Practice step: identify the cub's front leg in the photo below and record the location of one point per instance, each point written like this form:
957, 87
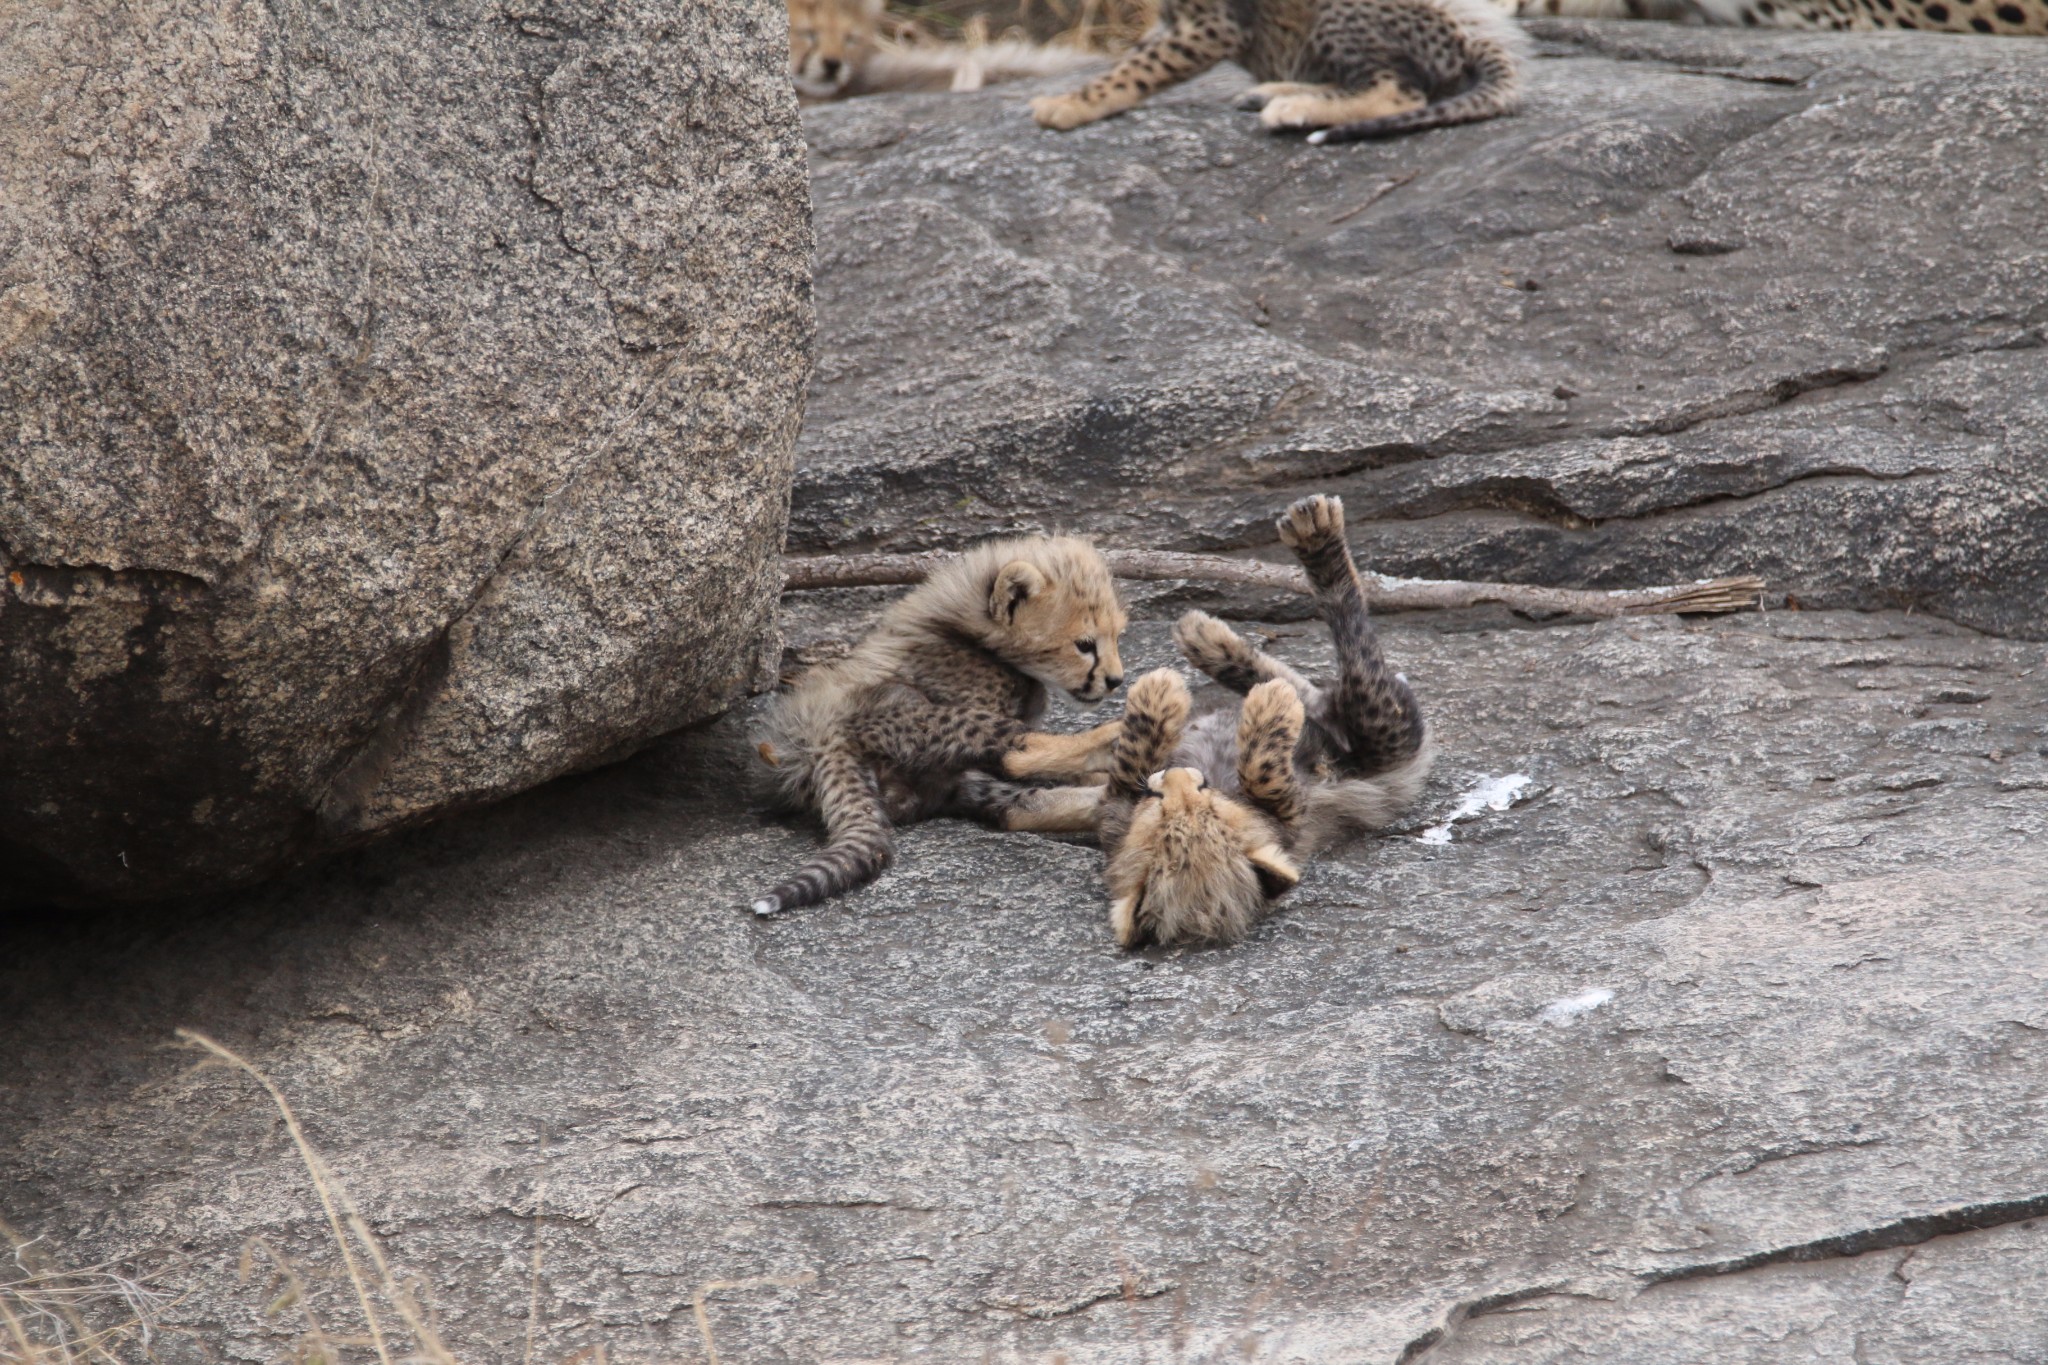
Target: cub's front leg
1189, 40
1063, 758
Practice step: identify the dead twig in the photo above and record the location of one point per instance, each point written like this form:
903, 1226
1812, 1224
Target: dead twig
1381, 191
1383, 592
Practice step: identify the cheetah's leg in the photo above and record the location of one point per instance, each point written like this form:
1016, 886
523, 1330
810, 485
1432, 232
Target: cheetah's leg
1154, 717
1230, 659
1064, 758
1371, 705
1200, 38
1260, 95
1046, 810
1268, 728
1387, 95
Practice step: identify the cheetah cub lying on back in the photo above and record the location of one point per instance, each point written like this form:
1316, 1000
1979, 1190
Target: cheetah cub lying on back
1203, 820
1348, 68
949, 680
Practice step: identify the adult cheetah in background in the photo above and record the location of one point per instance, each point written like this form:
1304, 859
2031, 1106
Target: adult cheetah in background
2007, 18
1346, 68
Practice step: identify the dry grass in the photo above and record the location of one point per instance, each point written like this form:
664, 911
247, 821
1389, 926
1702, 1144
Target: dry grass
48, 1316
102, 1315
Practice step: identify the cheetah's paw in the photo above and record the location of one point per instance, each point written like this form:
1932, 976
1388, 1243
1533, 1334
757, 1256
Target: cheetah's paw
1062, 113
1310, 522
1209, 644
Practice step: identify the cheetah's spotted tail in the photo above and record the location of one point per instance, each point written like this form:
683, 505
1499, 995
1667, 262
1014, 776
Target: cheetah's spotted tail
1496, 89
858, 845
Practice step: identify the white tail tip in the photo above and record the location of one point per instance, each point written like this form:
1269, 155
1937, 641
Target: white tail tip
767, 905
1319, 137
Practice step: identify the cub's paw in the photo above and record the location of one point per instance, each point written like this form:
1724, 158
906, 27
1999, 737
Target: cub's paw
1210, 645
1259, 96
1312, 523
1159, 699
1293, 113
986, 797
1271, 719
1061, 113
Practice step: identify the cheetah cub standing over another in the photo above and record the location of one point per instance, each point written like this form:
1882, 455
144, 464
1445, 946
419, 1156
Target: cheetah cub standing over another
949, 680
1199, 852
1349, 68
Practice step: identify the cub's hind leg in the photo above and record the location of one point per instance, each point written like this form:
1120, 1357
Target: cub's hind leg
1384, 96
1268, 728
1154, 718
1371, 706
1264, 93
1044, 810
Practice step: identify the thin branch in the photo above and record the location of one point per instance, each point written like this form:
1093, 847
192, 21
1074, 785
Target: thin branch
1384, 593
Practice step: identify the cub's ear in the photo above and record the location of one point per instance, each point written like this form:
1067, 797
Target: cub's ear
1017, 582
1276, 871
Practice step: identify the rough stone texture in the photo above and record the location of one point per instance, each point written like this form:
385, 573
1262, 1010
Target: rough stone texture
396, 407
1804, 850
1713, 303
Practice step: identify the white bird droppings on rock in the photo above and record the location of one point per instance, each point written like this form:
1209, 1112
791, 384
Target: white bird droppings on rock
1567, 1011
1495, 793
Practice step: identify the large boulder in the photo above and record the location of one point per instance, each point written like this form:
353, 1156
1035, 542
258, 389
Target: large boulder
1712, 303
396, 406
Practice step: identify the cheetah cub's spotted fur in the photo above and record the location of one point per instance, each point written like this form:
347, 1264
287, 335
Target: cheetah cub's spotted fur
1348, 68
950, 679
2009, 18
1203, 819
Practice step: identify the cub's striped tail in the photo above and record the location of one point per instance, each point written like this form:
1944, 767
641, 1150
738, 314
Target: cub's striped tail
1496, 89
858, 844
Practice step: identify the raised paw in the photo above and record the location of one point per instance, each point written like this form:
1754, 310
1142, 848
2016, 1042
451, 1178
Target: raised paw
1311, 523
1209, 644
1062, 113
1268, 728
1160, 699
1271, 718
1153, 720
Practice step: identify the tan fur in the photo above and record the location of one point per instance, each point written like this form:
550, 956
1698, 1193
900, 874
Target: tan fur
1345, 68
1204, 817
947, 681
1195, 865
837, 50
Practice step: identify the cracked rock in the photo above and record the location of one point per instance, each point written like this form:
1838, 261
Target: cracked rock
398, 410
1713, 303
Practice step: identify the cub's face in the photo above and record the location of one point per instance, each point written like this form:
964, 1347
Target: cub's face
828, 41
1062, 627
1195, 866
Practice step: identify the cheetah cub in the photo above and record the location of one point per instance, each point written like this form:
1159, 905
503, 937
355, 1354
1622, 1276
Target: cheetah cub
1347, 68
1203, 820
950, 679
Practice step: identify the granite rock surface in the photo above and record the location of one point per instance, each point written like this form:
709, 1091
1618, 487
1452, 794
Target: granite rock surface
1724, 1043
396, 411
1713, 303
